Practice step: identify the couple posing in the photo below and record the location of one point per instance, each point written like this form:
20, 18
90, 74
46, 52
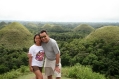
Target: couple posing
50, 49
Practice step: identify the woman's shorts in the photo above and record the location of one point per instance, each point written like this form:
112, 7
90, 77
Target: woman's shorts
37, 68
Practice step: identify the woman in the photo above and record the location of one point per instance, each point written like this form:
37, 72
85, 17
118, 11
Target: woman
36, 57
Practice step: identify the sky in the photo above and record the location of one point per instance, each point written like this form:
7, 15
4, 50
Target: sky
60, 10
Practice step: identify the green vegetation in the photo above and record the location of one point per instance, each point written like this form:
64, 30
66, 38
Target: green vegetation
106, 33
15, 36
12, 59
84, 28
14, 43
27, 76
81, 72
23, 70
101, 53
46, 26
67, 73
33, 27
98, 48
2, 24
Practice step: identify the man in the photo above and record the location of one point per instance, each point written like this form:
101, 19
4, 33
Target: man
52, 63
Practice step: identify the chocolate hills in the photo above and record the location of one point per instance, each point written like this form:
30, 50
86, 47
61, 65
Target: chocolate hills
15, 36
107, 33
84, 27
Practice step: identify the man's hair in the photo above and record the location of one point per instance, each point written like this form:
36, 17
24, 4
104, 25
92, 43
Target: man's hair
43, 31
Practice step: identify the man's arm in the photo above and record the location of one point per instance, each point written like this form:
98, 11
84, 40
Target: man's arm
57, 63
57, 59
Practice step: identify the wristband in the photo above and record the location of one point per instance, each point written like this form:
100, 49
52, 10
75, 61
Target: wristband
57, 64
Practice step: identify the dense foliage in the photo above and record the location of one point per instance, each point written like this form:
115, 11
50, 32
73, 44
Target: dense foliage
12, 59
102, 56
99, 49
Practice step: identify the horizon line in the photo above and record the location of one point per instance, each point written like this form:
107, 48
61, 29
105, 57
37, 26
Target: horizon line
63, 21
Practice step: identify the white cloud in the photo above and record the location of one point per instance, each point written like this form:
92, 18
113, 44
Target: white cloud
60, 10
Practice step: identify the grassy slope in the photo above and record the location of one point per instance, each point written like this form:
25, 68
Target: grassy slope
15, 35
107, 33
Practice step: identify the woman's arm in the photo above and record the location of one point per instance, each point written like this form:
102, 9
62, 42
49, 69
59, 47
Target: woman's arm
30, 62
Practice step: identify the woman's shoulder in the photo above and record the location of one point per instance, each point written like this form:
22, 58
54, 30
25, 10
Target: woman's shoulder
32, 46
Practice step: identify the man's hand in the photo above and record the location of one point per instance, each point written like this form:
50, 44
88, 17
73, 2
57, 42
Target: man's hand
57, 69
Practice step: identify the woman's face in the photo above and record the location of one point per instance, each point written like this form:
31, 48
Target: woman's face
37, 39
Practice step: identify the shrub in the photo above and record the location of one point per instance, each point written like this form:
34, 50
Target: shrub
81, 72
15, 73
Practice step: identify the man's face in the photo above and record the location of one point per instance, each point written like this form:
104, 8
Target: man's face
44, 37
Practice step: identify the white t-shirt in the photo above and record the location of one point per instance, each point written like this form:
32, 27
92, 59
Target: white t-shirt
37, 52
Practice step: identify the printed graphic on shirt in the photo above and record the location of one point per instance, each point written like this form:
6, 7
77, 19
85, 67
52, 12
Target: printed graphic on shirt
40, 55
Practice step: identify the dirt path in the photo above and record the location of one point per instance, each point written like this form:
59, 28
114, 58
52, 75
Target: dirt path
32, 76
44, 77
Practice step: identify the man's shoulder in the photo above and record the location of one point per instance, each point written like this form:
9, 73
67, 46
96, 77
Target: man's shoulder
52, 40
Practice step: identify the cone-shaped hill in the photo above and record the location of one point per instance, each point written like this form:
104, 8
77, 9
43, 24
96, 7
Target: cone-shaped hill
15, 36
107, 33
46, 26
2, 24
56, 28
84, 27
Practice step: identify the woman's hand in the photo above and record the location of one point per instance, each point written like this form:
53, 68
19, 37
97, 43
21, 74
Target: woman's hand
31, 69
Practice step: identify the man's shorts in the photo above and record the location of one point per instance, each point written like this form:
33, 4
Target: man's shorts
49, 71
37, 68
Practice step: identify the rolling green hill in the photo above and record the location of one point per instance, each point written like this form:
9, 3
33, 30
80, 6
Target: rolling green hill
15, 36
2, 24
46, 26
107, 33
84, 27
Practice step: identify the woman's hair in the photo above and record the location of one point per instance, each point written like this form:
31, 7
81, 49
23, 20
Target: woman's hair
35, 37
